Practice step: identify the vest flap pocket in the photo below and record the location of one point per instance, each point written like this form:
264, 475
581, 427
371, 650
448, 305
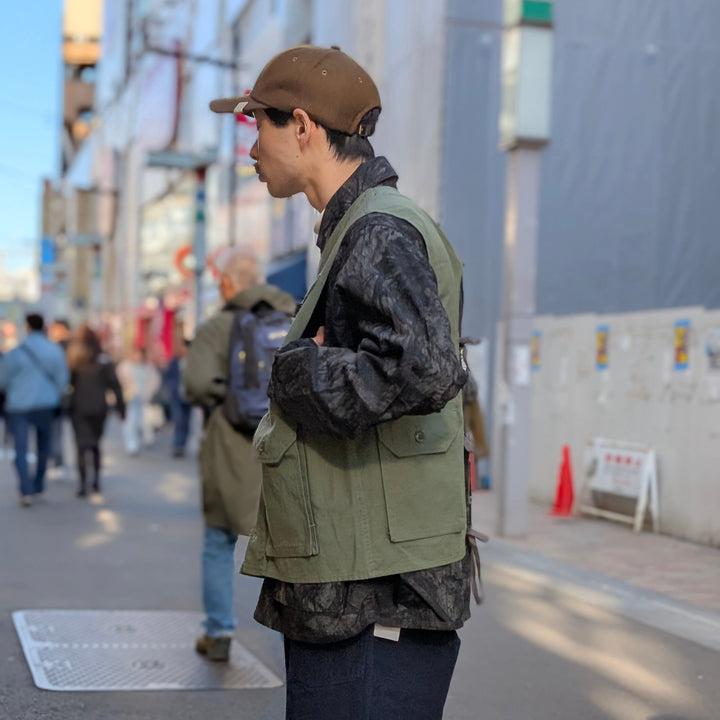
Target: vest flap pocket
273, 437
421, 460
285, 491
419, 434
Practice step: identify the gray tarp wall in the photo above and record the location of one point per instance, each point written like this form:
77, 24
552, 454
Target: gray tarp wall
630, 201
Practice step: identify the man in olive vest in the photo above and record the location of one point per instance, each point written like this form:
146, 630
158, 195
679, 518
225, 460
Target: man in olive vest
361, 534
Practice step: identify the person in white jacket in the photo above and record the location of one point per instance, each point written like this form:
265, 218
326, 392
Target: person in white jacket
140, 380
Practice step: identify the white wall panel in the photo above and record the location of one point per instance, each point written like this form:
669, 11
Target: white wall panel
641, 397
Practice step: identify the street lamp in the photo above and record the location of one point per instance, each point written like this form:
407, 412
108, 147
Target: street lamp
524, 132
198, 163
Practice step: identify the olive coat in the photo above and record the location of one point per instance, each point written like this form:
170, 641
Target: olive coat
229, 469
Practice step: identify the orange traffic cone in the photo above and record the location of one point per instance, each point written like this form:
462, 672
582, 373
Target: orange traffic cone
564, 494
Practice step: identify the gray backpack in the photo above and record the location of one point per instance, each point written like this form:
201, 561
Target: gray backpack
255, 336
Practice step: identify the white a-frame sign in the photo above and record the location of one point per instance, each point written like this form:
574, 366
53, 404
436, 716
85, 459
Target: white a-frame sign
625, 469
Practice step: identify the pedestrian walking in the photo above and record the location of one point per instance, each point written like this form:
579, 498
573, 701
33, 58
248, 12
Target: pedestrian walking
229, 470
140, 380
92, 377
34, 376
59, 332
362, 533
181, 409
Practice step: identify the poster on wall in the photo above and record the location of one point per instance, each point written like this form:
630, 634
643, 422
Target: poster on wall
535, 350
712, 368
682, 344
602, 347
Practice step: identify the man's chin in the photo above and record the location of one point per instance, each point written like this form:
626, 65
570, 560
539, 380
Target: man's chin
278, 193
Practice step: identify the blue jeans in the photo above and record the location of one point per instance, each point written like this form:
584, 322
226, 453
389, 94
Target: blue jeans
181, 422
218, 575
20, 424
370, 678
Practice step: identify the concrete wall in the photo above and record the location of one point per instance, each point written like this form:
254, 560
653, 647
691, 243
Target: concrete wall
641, 397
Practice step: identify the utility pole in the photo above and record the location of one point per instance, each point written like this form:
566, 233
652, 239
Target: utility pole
199, 245
524, 132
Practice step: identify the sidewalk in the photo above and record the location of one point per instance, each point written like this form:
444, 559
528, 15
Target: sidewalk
560, 610
682, 571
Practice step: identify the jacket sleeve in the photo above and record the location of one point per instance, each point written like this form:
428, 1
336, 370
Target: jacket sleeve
204, 377
404, 361
113, 384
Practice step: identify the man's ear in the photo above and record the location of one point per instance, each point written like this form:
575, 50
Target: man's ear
305, 127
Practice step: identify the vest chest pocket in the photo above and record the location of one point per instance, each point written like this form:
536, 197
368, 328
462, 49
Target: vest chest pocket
285, 489
422, 473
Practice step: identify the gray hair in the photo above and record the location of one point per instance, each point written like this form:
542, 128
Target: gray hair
243, 267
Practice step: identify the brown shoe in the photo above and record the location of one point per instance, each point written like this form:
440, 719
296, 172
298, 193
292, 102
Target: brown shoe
214, 648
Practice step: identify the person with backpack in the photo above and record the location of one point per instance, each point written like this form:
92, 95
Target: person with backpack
226, 373
35, 377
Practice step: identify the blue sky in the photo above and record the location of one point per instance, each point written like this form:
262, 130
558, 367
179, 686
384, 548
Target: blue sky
30, 93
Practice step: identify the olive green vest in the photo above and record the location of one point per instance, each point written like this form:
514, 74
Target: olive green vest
389, 501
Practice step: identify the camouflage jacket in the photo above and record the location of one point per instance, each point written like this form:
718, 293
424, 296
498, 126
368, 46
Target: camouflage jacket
381, 296
388, 347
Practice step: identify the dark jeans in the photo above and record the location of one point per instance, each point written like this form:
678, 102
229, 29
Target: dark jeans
20, 424
370, 678
181, 422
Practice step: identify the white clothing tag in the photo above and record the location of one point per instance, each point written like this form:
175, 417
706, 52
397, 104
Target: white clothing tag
387, 633
240, 107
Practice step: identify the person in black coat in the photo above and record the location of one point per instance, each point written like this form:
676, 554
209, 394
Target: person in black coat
92, 375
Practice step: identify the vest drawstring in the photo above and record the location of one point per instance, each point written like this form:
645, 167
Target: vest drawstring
473, 535
475, 568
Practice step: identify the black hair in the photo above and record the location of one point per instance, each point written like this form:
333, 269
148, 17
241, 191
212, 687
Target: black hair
343, 146
63, 322
35, 321
279, 118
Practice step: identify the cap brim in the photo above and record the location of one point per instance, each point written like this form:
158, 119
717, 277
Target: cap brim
244, 104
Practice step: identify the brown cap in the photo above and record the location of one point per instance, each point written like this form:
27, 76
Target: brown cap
325, 82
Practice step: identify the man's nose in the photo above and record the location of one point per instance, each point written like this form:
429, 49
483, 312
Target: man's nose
253, 151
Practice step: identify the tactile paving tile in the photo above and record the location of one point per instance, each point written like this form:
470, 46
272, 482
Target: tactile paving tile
129, 650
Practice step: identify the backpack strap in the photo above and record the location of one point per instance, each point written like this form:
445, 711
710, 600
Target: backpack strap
358, 209
36, 361
248, 323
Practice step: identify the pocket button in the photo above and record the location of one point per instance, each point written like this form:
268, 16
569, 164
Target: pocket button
419, 436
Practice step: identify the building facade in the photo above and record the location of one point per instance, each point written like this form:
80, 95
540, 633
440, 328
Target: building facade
628, 188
